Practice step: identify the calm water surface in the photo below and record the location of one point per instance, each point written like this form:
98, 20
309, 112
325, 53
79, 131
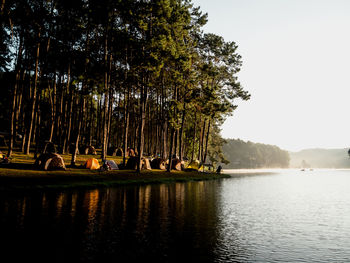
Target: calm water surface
284, 216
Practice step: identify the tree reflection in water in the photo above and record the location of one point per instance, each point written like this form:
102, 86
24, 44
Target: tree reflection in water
157, 222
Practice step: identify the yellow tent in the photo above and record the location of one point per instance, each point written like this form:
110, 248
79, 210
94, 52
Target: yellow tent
92, 164
194, 165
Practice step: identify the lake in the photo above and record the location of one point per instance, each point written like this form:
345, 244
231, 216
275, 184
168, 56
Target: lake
255, 216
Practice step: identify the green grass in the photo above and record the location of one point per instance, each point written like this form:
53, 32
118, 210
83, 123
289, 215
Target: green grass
21, 175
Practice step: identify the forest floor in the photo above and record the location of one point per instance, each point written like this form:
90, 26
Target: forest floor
20, 174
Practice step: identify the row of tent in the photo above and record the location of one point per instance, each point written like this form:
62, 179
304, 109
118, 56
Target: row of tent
112, 151
93, 164
53, 161
149, 164
50, 147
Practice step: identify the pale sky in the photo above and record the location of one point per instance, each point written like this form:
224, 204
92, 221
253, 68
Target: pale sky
296, 65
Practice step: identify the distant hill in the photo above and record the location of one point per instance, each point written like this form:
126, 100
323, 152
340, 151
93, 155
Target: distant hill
243, 154
320, 158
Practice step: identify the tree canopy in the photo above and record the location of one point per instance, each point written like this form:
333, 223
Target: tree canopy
113, 73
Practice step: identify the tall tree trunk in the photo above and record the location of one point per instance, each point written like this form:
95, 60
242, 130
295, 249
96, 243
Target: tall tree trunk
105, 105
53, 107
201, 128
164, 122
67, 114
24, 130
172, 135
37, 129
136, 126
176, 135
164, 139
104, 130
143, 105
59, 116
19, 104
12, 135
109, 120
194, 135
181, 132
69, 127
99, 114
34, 93
202, 141
149, 131
80, 121
92, 119
206, 142
110, 104
126, 124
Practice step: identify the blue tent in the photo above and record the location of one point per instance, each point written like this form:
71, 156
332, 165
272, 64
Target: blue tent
112, 165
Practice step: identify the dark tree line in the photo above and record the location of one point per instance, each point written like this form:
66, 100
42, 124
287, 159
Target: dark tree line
123, 73
241, 154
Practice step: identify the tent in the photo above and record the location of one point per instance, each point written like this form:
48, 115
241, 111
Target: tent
176, 164
146, 164
130, 152
132, 163
89, 150
119, 152
158, 163
50, 161
49, 147
114, 151
194, 165
92, 164
55, 163
206, 167
112, 165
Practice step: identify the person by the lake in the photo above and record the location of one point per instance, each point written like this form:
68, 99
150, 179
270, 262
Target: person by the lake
219, 169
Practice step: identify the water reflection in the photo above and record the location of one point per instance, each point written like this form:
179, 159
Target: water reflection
286, 217
158, 222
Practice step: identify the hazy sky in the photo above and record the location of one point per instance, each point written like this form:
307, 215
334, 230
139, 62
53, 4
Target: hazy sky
296, 65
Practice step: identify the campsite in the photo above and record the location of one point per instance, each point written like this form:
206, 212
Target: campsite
23, 172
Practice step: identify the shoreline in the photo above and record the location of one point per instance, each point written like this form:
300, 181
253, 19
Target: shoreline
12, 179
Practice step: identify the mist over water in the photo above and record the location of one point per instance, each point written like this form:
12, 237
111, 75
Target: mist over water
289, 215
266, 216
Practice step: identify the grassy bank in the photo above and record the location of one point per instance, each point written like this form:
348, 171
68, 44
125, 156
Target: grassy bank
20, 174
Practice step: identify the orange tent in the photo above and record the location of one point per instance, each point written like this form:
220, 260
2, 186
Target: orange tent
92, 164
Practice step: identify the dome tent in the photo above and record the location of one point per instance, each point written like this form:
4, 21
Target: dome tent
158, 163
114, 151
132, 163
176, 164
50, 161
88, 150
194, 165
146, 164
92, 164
112, 165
